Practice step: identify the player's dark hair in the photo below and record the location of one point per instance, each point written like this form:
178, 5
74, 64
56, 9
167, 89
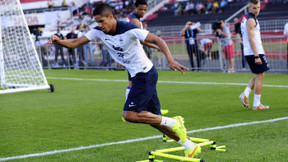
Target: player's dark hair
140, 2
102, 9
254, 1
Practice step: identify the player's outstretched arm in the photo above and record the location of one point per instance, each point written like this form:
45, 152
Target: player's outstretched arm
150, 45
174, 65
69, 43
137, 23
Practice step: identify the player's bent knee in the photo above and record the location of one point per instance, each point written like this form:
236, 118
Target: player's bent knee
129, 116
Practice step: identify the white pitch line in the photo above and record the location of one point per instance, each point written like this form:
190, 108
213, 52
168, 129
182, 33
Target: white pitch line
170, 82
137, 140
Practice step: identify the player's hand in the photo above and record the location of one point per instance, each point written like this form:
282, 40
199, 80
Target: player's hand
53, 39
218, 30
174, 65
258, 61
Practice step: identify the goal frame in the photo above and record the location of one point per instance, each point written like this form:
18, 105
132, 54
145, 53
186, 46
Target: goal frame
23, 87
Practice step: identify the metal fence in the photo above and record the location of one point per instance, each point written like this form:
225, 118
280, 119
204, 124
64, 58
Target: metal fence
93, 56
217, 58
266, 25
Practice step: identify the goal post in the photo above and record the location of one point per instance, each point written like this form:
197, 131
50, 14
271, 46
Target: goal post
20, 67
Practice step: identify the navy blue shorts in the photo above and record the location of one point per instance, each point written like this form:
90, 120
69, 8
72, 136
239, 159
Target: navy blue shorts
257, 69
143, 95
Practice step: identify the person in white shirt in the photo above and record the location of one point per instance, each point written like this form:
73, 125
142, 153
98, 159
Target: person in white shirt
206, 46
123, 42
286, 35
255, 56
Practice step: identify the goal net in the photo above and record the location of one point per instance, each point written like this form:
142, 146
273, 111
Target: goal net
20, 68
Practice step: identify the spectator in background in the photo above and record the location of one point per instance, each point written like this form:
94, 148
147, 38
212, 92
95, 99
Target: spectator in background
215, 7
73, 8
88, 48
50, 4
71, 51
119, 6
80, 49
230, 1
286, 35
200, 8
106, 58
117, 15
59, 48
64, 3
237, 27
226, 41
190, 32
127, 3
223, 5
187, 9
174, 7
36, 32
179, 10
209, 6
86, 20
192, 8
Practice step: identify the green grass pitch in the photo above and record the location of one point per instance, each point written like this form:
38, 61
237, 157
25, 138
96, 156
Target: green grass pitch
88, 112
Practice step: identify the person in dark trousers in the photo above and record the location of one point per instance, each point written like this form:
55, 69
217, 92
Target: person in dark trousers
59, 48
71, 51
190, 32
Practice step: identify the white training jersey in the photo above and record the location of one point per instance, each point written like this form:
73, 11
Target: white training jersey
124, 46
257, 36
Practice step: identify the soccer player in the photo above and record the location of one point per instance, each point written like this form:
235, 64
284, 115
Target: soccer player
142, 104
254, 54
139, 12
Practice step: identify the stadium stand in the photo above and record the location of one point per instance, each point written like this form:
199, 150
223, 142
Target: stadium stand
270, 11
164, 16
274, 10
